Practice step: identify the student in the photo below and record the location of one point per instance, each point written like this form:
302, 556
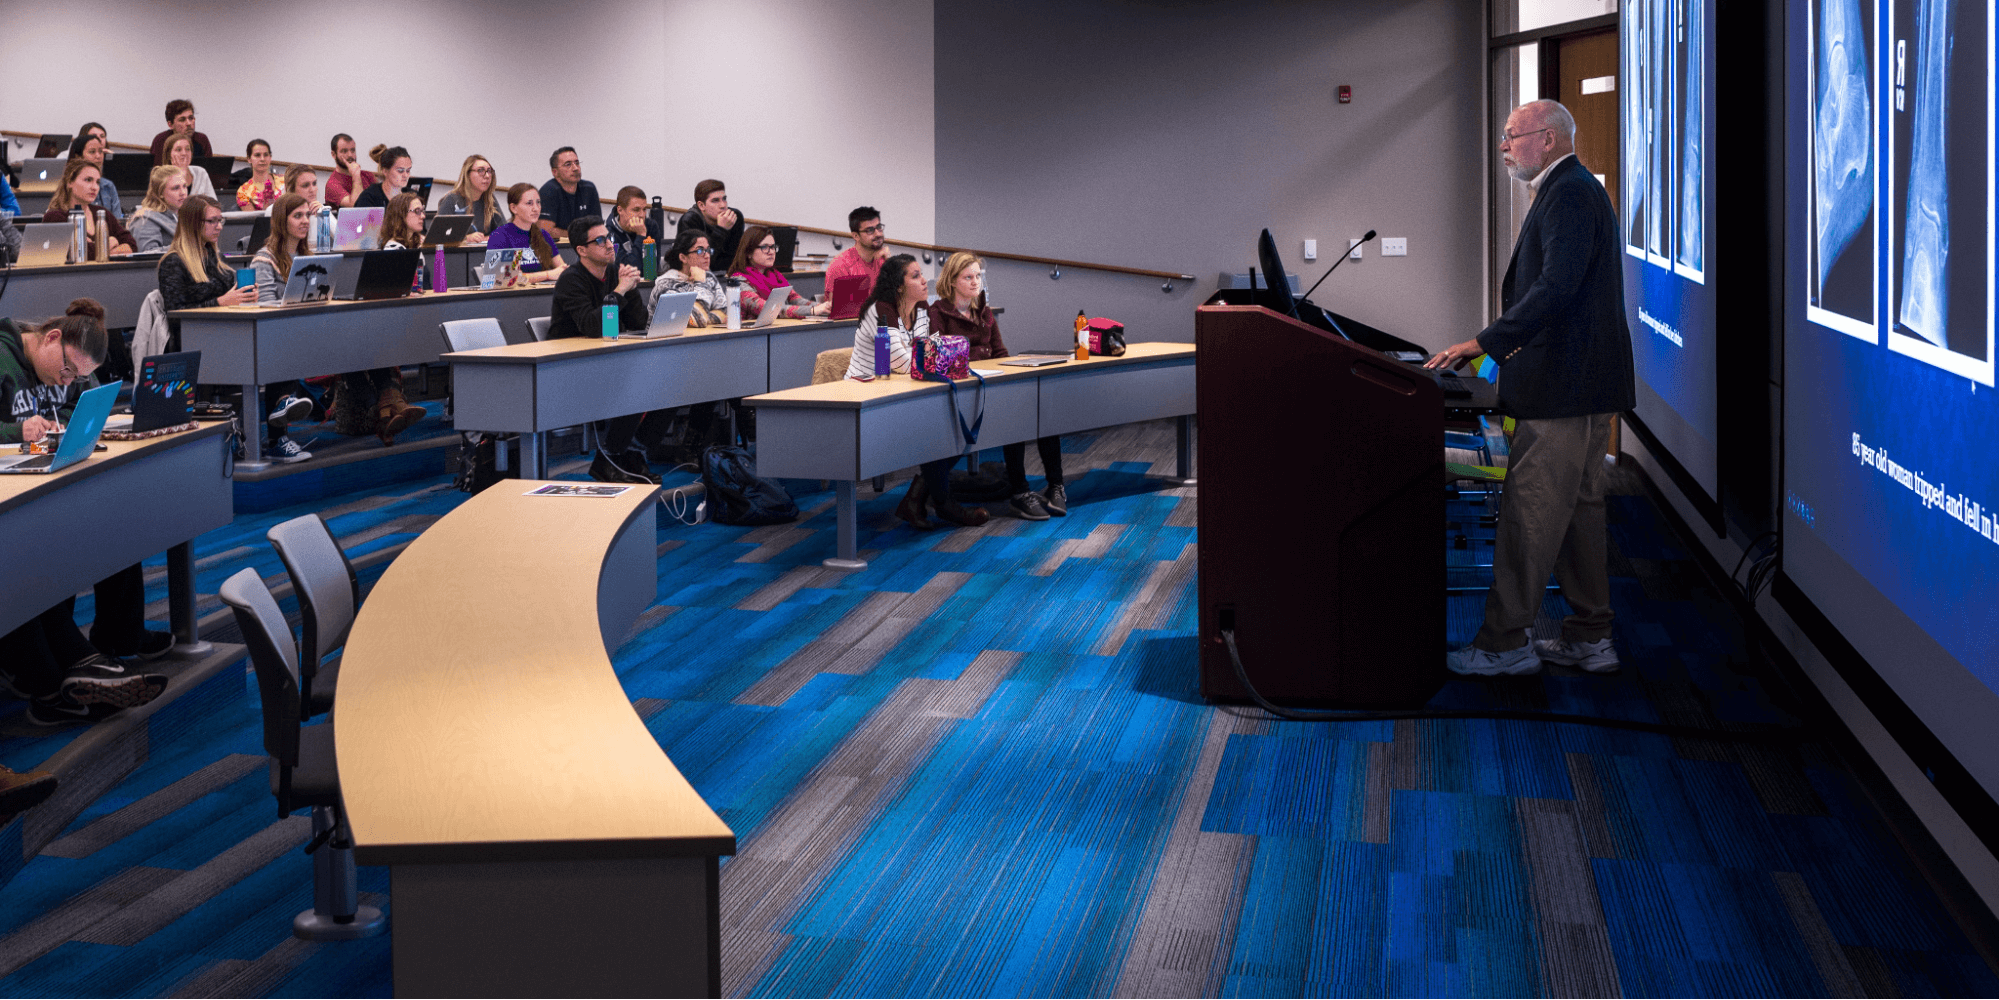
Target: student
578, 312
865, 257
348, 180
291, 227
79, 184
687, 271
566, 196
47, 660
756, 265
94, 149
154, 223
402, 223
898, 304
395, 176
180, 153
712, 217
961, 311
303, 181
193, 276
473, 196
180, 121
630, 228
262, 189
8, 203
524, 202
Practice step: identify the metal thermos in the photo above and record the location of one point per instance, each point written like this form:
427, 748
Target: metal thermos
79, 236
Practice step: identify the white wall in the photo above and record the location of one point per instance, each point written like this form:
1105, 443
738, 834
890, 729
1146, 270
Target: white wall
438, 78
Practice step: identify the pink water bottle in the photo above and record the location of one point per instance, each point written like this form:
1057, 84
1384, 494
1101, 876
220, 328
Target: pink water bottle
437, 282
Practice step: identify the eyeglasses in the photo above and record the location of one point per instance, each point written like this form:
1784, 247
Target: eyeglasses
601, 241
482, 170
701, 251
1505, 137
216, 221
872, 230
68, 371
772, 247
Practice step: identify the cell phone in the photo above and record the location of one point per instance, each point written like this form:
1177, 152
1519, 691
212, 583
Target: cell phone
245, 277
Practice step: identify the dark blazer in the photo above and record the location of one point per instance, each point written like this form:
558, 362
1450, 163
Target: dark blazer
1562, 343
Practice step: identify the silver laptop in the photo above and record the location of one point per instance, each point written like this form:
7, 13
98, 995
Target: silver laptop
79, 439
669, 316
44, 243
358, 229
447, 229
773, 307
41, 176
311, 279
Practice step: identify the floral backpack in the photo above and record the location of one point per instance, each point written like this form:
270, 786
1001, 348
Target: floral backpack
946, 358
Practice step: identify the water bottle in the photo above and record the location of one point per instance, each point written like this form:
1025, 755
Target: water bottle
733, 292
79, 237
437, 282
882, 369
322, 231
103, 254
610, 316
649, 261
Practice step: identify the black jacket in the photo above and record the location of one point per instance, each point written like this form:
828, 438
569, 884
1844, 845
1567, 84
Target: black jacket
722, 241
1562, 343
578, 297
631, 246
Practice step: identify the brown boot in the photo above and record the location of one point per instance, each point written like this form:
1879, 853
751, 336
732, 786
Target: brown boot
394, 414
965, 517
22, 792
913, 503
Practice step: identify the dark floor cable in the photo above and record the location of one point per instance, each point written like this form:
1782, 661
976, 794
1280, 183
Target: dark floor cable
1656, 728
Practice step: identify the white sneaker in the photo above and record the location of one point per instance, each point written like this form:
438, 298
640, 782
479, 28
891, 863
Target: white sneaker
287, 410
1598, 657
1472, 661
285, 451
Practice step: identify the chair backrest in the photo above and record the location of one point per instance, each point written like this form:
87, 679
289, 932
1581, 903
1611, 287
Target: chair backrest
831, 366
272, 656
538, 327
329, 591
472, 334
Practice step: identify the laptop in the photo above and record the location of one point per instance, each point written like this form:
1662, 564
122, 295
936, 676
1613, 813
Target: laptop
850, 295
311, 278
53, 145
41, 175
219, 168
773, 308
497, 264
787, 245
260, 234
447, 230
44, 244
420, 187
131, 173
669, 317
384, 274
237, 227
164, 396
358, 229
86, 422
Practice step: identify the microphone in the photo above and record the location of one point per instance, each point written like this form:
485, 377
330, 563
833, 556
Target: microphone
1364, 240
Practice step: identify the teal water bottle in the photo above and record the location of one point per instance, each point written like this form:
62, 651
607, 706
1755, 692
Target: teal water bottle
610, 316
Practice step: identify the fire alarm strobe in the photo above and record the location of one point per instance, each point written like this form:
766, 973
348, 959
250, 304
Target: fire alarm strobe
1346, 94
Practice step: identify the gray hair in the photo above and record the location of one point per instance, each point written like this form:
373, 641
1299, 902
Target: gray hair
1553, 115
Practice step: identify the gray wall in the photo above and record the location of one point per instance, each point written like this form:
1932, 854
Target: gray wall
1163, 136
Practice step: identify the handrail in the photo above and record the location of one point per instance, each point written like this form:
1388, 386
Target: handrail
835, 233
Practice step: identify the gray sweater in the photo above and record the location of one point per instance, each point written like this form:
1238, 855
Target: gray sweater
153, 230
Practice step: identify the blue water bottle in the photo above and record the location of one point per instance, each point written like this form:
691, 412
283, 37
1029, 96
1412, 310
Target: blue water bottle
610, 316
881, 352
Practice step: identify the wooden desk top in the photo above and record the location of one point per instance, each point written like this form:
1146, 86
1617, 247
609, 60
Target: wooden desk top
852, 395
18, 490
543, 351
251, 313
479, 718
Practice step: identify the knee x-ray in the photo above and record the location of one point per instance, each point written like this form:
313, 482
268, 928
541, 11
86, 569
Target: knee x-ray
1926, 228
1692, 81
1665, 133
1841, 123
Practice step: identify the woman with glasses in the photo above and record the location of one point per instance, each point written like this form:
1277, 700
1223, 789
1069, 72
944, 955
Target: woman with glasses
756, 265
524, 231
395, 176
687, 271
180, 153
80, 179
154, 223
473, 196
262, 189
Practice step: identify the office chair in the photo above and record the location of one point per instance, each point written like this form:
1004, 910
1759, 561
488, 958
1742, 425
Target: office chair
329, 596
538, 327
472, 334
304, 774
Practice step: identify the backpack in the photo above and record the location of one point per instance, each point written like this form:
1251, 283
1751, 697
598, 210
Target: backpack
736, 495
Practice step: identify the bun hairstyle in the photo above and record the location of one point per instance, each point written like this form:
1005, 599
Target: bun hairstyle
86, 308
82, 329
386, 156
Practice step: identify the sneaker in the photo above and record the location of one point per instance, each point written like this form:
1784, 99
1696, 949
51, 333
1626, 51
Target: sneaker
57, 710
287, 410
284, 451
100, 680
1028, 507
1472, 661
1056, 499
606, 469
1598, 657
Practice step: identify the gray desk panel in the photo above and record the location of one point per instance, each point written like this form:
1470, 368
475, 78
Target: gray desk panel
629, 580
792, 354
497, 398
1113, 396
921, 429
800, 443
328, 342
63, 541
38, 293
672, 373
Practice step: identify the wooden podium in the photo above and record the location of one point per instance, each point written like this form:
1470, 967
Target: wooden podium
1321, 515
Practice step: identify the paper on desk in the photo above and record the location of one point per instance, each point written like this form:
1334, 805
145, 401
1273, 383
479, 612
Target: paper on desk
575, 490
987, 372
118, 422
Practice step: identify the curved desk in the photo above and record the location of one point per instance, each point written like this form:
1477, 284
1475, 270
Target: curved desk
541, 842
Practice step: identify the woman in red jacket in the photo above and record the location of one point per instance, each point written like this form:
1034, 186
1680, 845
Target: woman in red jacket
961, 310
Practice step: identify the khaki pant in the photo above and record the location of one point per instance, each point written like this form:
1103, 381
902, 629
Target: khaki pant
1551, 519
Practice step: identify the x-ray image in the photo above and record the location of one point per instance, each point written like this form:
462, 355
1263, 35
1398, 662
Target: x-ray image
1658, 125
1665, 133
1692, 74
1841, 122
1637, 123
1940, 175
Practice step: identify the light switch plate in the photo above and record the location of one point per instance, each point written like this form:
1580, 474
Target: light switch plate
1353, 249
1311, 249
1395, 246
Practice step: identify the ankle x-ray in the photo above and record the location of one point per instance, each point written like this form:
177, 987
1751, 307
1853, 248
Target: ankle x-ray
1842, 136
1926, 227
1692, 90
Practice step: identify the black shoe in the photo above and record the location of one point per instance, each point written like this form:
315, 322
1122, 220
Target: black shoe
1028, 507
100, 680
56, 710
1056, 499
913, 504
606, 469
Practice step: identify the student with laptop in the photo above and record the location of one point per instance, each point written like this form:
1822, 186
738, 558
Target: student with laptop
961, 311
566, 196
630, 227
262, 189
180, 153
578, 312
524, 230
154, 223
92, 148
348, 180
864, 259
80, 179
712, 217
180, 121
395, 176
473, 196
756, 265
687, 270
